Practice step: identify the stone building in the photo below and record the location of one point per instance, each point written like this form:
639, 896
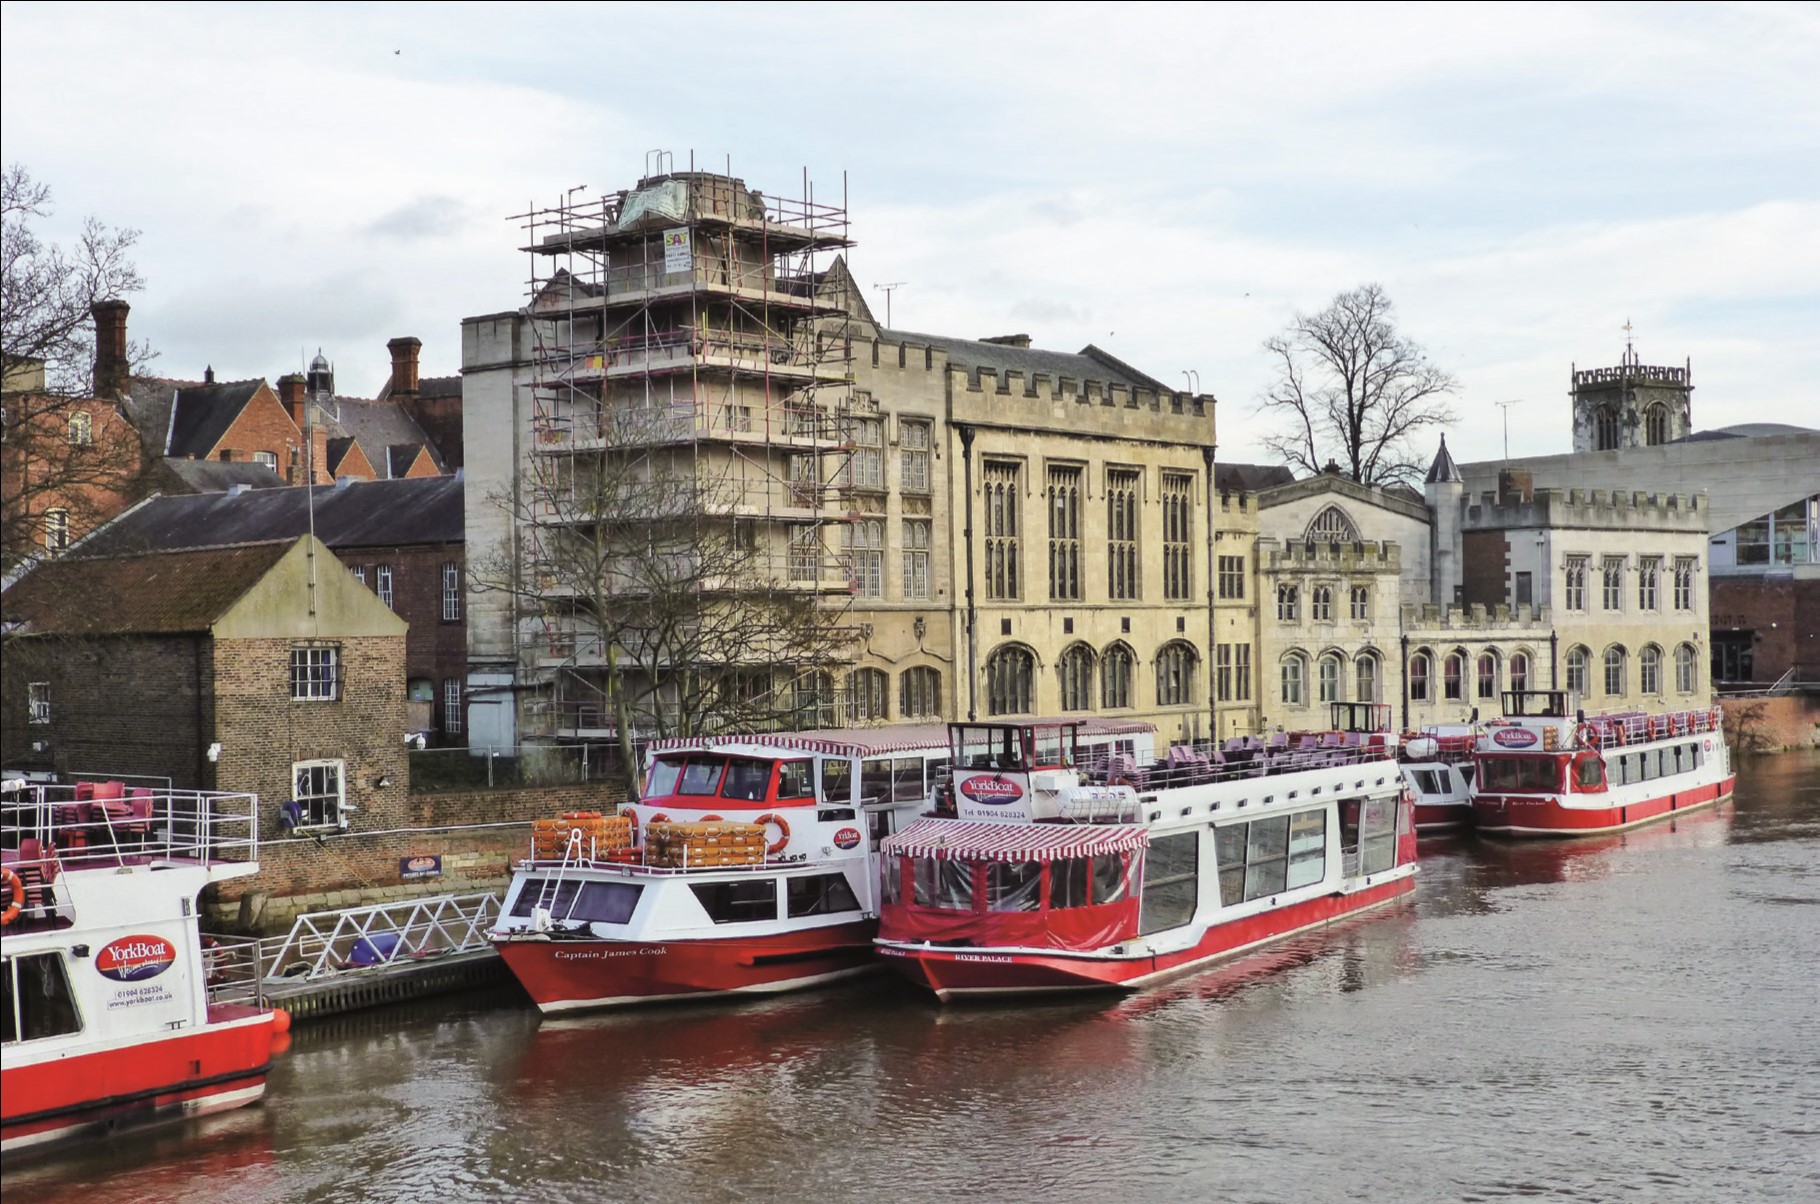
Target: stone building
1632, 405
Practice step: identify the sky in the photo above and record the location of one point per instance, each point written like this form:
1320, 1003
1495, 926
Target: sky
1171, 183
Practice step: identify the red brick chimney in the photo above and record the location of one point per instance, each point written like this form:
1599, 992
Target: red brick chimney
404, 366
111, 365
291, 392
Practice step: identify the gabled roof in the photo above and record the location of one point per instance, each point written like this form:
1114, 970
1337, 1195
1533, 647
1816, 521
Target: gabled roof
401, 456
1249, 478
163, 593
203, 414
1443, 469
377, 425
439, 386
352, 514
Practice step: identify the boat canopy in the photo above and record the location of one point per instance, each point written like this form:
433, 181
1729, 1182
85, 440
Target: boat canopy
961, 840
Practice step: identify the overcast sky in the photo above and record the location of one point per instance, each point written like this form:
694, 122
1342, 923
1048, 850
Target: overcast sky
1170, 183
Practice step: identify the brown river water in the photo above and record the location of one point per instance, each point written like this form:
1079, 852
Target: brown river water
1621, 1018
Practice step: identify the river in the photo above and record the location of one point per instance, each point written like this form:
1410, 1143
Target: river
1622, 1018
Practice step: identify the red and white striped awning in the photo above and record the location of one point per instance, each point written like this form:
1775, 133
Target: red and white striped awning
1011, 841
877, 741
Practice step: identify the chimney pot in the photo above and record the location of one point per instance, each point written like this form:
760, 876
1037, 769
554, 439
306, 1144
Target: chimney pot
208, 375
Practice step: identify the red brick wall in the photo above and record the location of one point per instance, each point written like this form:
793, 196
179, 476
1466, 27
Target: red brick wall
1484, 568
262, 731
434, 649
1782, 615
263, 426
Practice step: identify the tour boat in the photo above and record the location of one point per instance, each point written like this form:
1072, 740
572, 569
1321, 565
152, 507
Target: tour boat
1438, 765
1060, 873
1544, 770
110, 1016
680, 896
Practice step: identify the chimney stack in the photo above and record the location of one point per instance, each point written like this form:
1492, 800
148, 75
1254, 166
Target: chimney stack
404, 366
291, 392
111, 366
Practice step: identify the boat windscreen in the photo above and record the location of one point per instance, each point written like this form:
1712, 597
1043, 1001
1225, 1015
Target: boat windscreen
1519, 774
701, 776
747, 780
664, 776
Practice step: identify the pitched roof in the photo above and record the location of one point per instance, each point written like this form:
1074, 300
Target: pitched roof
376, 425
1443, 469
218, 476
1249, 478
203, 414
167, 593
352, 514
439, 386
1090, 363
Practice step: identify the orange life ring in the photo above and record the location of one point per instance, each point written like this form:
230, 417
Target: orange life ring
1655, 729
15, 887
711, 819
1587, 735
657, 817
776, 846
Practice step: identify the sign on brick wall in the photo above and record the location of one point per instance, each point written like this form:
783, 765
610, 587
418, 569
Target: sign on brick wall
422, 865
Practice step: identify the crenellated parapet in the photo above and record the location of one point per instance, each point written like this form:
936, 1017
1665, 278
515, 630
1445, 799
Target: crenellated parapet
1476, 620
1616, 510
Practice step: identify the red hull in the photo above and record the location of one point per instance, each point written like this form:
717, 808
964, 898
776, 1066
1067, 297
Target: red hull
959, 973
222, 1066
571, 975
1517, 815
1437, 817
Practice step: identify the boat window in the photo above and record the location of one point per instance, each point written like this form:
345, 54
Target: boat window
747, 780
1519, 774
794, 781
1466, 772
837, 780
1378, 835
1054, 747
1267, 857
39, 1002
1068, 882
744, 901
991, 748
1589, 773
606, 902
875, 780
1014, 885
1171, 882
1108, 877
819, 895
664, 775
1307, 848
701, 777
554, 897
1229, 855
955, 889
907, 780
891, 879
927, 875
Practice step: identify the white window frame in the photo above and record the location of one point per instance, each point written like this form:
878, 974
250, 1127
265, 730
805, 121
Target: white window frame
38, 702
451, 705
318, 677
384, 587
451, 592
56, 530
335, 813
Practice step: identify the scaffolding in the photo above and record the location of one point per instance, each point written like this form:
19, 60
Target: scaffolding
689, 329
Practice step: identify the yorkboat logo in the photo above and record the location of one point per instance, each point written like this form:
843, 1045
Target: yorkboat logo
1513, 737
847, 838
993, 792
135, 958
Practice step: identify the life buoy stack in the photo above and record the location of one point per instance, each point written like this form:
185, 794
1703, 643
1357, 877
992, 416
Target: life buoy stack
1587, 735
783, 829
14, 893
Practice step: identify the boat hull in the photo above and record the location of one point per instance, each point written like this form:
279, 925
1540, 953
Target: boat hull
1442, 817
213, 1069
578, 975
955, 974
1543, 815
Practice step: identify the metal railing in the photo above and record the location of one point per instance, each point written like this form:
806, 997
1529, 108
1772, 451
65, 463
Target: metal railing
107, 824
328, 943
513, 766
232, 969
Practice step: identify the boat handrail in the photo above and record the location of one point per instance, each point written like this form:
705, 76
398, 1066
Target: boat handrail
106, 825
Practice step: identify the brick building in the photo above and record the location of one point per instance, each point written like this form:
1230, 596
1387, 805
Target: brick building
402, 539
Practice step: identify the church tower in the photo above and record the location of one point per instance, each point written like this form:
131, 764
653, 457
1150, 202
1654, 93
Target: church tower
1632, 405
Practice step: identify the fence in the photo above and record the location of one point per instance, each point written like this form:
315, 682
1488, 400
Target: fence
513, 767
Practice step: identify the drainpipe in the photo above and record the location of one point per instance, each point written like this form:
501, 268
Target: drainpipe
1554, 651
973, 643
1404, 675
1213, 721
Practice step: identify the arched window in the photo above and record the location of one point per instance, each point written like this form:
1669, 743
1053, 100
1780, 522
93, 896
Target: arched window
1287, 608
1115, 677
1295, 680
1488, 675
1655, 424
1075, 668
866, 557
1606, 421
1453, 674
1519, 670
82, 428
1331, 526
1320, 604
1649, 670
1010, 675
1330, 677
1687, 672
813, 696
1614, 670
867, 693
1175, 666
1421, 668
1365, 677
1579, 664
919, 693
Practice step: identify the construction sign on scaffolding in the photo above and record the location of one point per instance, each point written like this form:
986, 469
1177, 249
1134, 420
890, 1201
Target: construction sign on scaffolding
677, 257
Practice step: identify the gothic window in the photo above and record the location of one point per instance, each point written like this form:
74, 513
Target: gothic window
1684, 585
1122, 532
1611, 577
1655, 425
1178, 536
866, 557
1287, 608
1222, 672
1295, 677
867, 467
867, 692
1064, 534
919, 693
1232, 577
1010, 676
1241, 672
1320, 604
1519, 670
1614, 671
1361, 603
1115, 677
916, 558
1329, 671
805, 553
1606, 421
915, 456
1649, 574
1421, 668
1175, 666
1332, 526
1649, 670
1578, 666
1075, 668
1453, 672
1365, 677
1574, 580
1002, 526
1686, 669
1488, 675
812, 694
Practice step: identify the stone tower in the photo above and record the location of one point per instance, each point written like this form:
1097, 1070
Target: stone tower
1443, 490
1632, 405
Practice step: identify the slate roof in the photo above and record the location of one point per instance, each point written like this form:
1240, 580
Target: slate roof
203, 414
1090, 363
1749, 430
1249, 478
163, 593
378, 425
354, 514
218, 476
439, 386
1443, 469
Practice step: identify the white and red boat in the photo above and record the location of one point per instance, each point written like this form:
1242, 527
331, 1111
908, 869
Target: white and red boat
589, 927
109, 1017
1053, 880
1545, 771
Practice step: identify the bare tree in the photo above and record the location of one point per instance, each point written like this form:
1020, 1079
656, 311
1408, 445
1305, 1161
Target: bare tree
69, 458
669, 615
1351, 389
